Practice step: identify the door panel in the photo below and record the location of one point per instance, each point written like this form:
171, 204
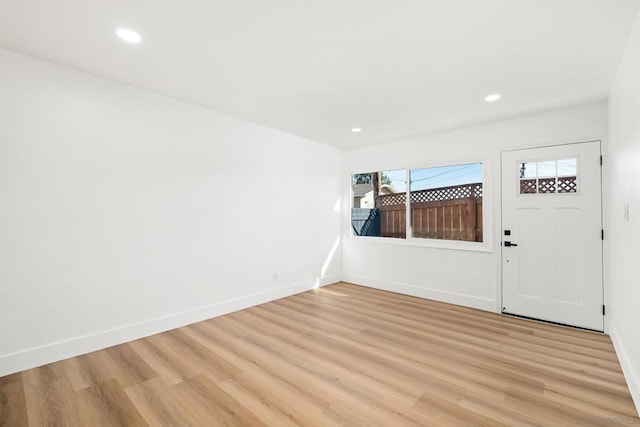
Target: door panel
529, 275
551, 207
568, 270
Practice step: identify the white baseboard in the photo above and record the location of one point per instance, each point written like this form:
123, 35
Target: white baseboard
53, 352
486, 304
630, 374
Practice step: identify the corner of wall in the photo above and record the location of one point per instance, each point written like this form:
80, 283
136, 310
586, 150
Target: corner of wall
630, 375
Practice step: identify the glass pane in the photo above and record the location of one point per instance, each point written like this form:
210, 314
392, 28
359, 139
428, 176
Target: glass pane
378, 205
528, 169
446, 202
567, 167
528, 186
567, 175
547, 169
547, 185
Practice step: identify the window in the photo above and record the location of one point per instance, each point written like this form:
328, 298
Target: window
445, 203
549, 176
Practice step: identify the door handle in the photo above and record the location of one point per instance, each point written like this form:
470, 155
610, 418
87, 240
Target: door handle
508, 243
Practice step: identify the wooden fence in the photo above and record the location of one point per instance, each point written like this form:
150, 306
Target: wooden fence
452, 213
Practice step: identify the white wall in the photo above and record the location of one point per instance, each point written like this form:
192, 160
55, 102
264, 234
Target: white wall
124, 213
624, 149
469, 278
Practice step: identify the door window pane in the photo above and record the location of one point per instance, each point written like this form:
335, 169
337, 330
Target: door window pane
567, 167
547, 169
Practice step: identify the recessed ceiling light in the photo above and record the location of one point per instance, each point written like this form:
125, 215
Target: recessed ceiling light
128, 35
493, 97
356, 130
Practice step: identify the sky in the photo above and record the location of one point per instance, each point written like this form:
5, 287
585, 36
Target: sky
549, 168
444, 176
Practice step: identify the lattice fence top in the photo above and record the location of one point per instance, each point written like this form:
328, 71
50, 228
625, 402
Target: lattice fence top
447, 193
434, 194
528, 186
392, 199
566, 184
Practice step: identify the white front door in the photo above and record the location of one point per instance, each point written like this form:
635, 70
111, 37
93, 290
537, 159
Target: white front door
551, 234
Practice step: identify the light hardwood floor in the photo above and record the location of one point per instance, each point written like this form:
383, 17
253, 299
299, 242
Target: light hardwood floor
339, 355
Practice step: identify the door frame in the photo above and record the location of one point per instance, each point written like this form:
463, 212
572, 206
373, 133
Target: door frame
603, 223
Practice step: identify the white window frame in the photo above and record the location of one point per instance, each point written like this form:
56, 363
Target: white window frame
487, 205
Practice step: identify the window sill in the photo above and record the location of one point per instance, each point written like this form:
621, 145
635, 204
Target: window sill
428, 243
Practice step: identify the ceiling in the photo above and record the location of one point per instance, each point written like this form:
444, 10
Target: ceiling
319, 68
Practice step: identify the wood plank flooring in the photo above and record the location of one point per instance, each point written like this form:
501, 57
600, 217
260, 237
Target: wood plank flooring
341, 355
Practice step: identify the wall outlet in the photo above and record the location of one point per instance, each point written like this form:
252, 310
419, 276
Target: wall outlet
275, 278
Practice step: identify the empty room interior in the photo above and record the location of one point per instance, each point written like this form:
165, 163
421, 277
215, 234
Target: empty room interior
319, 213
